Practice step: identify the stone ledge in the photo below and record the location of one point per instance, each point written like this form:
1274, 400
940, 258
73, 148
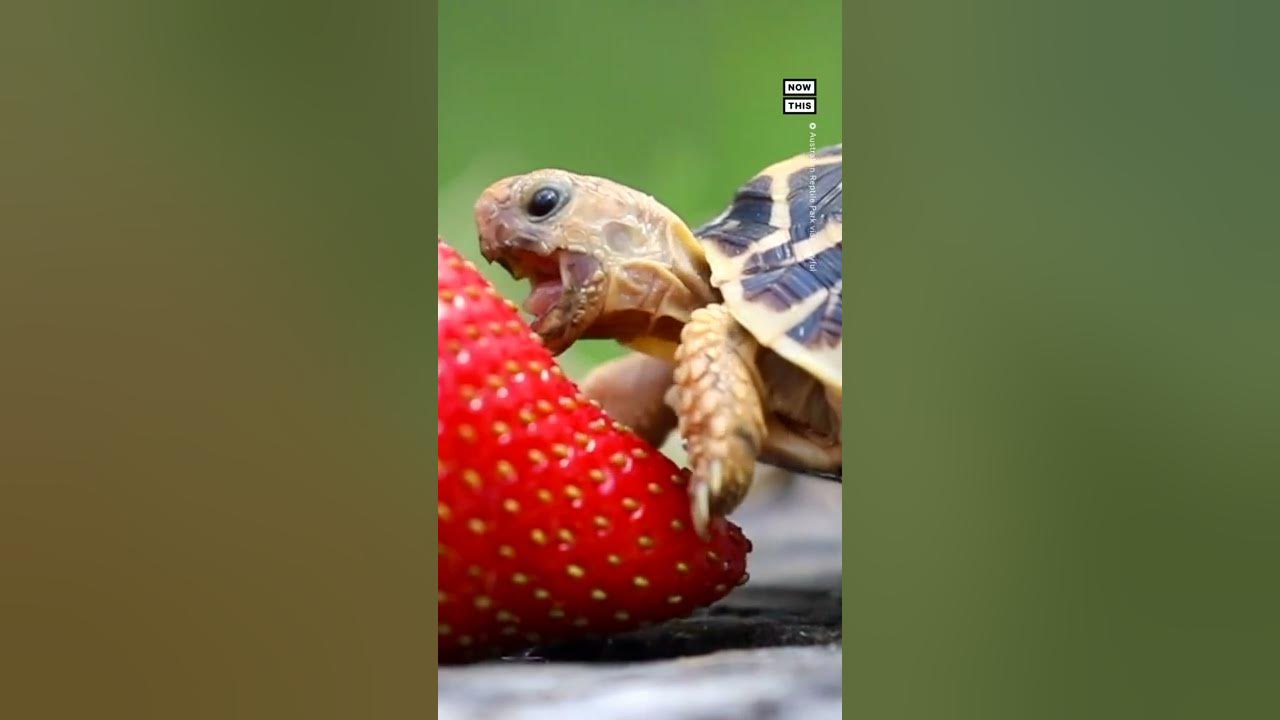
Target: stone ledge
761, 684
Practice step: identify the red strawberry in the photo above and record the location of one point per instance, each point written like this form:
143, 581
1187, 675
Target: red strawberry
554, 520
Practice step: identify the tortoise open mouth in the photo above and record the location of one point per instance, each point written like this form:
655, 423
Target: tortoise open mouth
546, 281
564, 290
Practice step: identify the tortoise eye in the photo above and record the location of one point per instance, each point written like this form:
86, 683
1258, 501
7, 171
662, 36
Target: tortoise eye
543, 202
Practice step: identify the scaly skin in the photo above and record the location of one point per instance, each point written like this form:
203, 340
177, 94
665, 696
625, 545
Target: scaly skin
635, 269
721, 418
631, 270
632, 390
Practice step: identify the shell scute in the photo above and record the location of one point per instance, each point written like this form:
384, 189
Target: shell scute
776, 255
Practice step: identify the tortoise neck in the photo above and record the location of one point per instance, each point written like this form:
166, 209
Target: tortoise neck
689, 265
650, 297
690, 288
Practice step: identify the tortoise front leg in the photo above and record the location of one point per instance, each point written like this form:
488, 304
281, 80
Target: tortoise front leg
721, 416
631, 390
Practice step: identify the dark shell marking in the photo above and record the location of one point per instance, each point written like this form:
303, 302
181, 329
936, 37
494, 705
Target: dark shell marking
828, 190
823, 325
747, 221
777, 276
796, 280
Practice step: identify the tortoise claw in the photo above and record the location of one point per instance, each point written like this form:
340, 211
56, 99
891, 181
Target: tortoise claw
700, 496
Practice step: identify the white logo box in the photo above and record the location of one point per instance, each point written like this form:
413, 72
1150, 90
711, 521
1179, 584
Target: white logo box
800, 106
800, 86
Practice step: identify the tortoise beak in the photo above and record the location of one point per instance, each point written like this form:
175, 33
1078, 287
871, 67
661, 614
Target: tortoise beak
566, 286
566, 289
564, 313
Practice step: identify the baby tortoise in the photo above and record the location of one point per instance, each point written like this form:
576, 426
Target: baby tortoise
737, 325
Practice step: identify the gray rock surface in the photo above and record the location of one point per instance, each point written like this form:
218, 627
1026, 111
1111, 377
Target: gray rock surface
768, 683
770, 650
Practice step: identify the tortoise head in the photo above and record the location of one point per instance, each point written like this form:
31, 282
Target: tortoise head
603, 260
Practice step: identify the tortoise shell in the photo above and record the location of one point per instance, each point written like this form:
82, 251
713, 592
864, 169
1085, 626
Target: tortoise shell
776, 256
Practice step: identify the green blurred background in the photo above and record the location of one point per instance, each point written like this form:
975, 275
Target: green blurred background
680, 99
1061, 326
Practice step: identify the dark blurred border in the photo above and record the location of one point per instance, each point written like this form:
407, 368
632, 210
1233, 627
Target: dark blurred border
433, 390
849, 97
215, 340
1063, 401
430, 67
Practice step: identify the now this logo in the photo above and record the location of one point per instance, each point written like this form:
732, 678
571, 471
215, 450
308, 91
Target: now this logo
800, 87
799, 96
